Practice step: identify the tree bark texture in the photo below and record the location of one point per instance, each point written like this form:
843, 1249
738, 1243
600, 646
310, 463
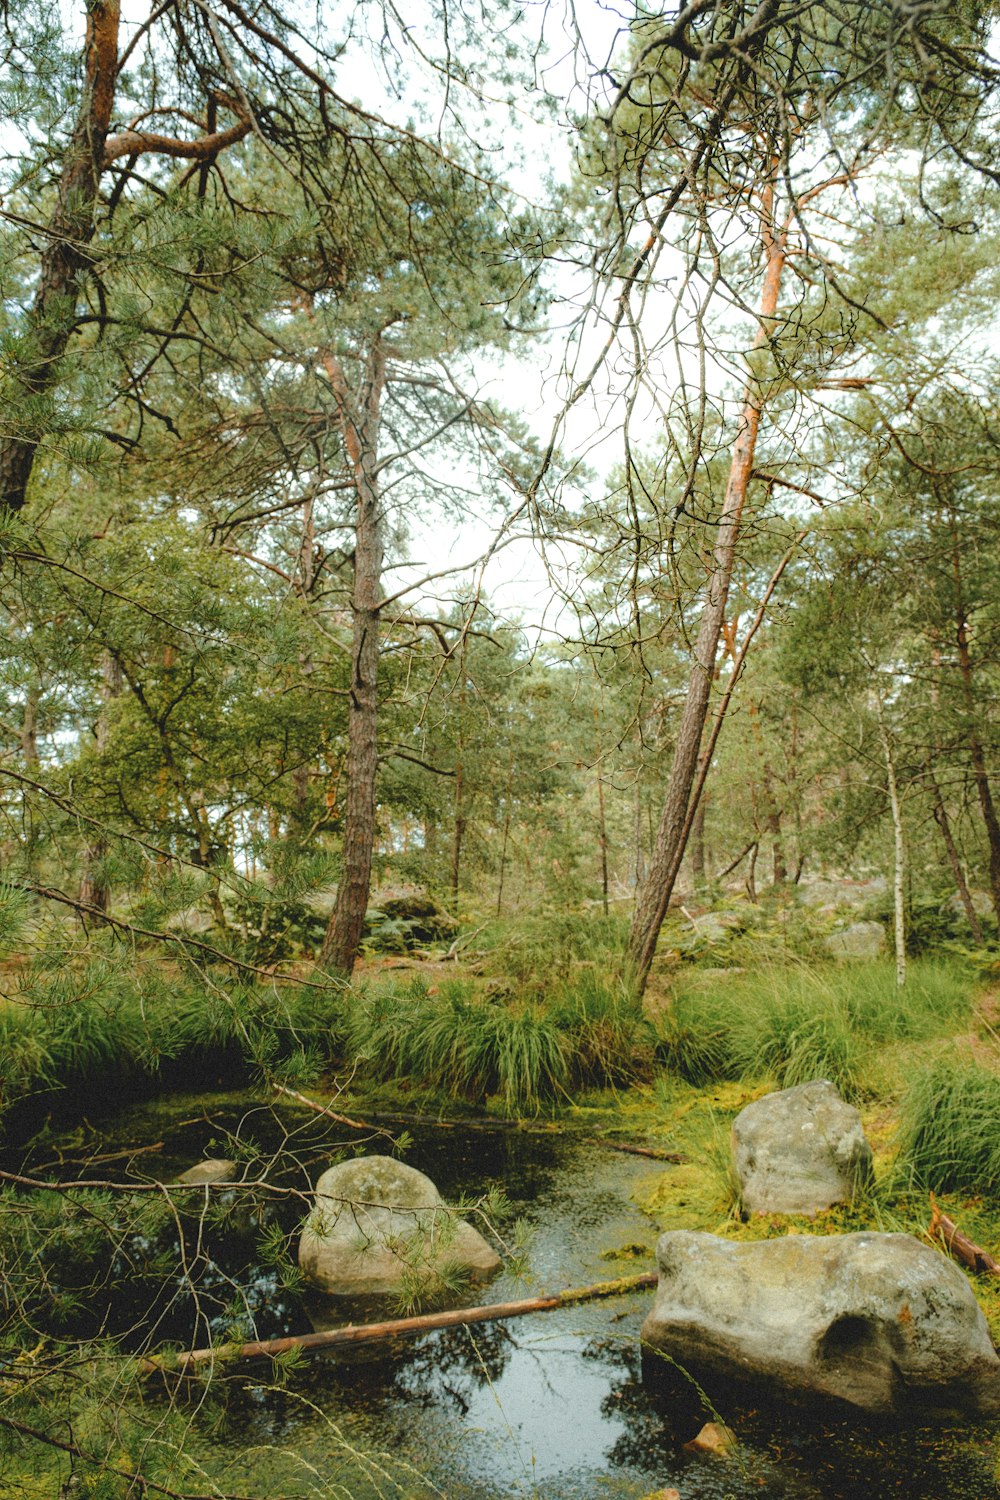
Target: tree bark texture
359, 423
899, 841
961, 884
66, 255
668, 850
973, 741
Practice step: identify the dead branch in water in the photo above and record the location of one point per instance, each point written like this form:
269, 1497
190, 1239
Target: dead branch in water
364, 1333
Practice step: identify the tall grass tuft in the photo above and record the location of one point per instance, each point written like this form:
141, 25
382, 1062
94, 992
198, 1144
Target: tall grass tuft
469, 1048
794, 1023
608, 1039
949, 1134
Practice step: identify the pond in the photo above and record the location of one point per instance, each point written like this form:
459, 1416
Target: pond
552, 1405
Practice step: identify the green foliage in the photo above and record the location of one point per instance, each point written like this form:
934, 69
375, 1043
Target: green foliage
470, 1048
608, 1039
949, 1135
795, 1023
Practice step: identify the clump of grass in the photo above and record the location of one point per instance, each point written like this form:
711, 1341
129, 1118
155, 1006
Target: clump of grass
794, 1023
471, 1048
608, 1039
949, 1134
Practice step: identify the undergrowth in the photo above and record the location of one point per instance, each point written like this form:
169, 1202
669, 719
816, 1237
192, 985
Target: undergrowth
949, 1135
126, 1025
522, 1052
793, 1023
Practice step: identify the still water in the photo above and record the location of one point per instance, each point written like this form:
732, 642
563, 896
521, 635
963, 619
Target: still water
552, 1405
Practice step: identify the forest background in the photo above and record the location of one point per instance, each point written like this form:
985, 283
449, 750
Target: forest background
276, 357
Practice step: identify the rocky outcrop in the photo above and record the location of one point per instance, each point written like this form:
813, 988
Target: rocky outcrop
862, 940
376, 1220
879, 1321
799, 1151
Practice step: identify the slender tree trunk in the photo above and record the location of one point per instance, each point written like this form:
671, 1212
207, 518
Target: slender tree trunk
773, 822
961, 884
603, 840
360, 428
300, 775
973, 741
458, 833
66, 256
751, 880
899, 860
652, 901
698, 844
506, 833
29, 728
640, 853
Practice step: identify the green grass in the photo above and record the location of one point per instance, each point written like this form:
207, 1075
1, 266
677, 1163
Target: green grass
949, 1134
468, 1047
77, 1036
792, 1023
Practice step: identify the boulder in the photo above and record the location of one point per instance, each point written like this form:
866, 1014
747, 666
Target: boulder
799, 1151
213, 1169
879, 1321
860, 940
375, 1220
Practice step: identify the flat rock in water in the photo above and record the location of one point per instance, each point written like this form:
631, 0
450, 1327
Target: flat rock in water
799, 1151
376, 1220
880, 1321
213, 1169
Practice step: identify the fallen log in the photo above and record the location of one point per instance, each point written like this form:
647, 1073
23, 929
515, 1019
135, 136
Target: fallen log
947, 1233
365, 1333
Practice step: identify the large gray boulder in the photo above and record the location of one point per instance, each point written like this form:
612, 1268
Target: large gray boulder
877, 1320
374, 1221
799, 1151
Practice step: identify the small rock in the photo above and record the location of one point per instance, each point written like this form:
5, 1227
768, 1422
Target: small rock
213, 1169
713, 1438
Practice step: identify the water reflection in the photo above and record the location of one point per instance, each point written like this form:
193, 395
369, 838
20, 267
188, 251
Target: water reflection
552, 1406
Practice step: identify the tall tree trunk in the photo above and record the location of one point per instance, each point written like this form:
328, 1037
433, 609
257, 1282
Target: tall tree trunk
306, 579
71, 228
668, 850
640, 856
458, 835
360, 428
506, 833
973, 741
29, 727
698, 844
603, 840
961, 884
899, 857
